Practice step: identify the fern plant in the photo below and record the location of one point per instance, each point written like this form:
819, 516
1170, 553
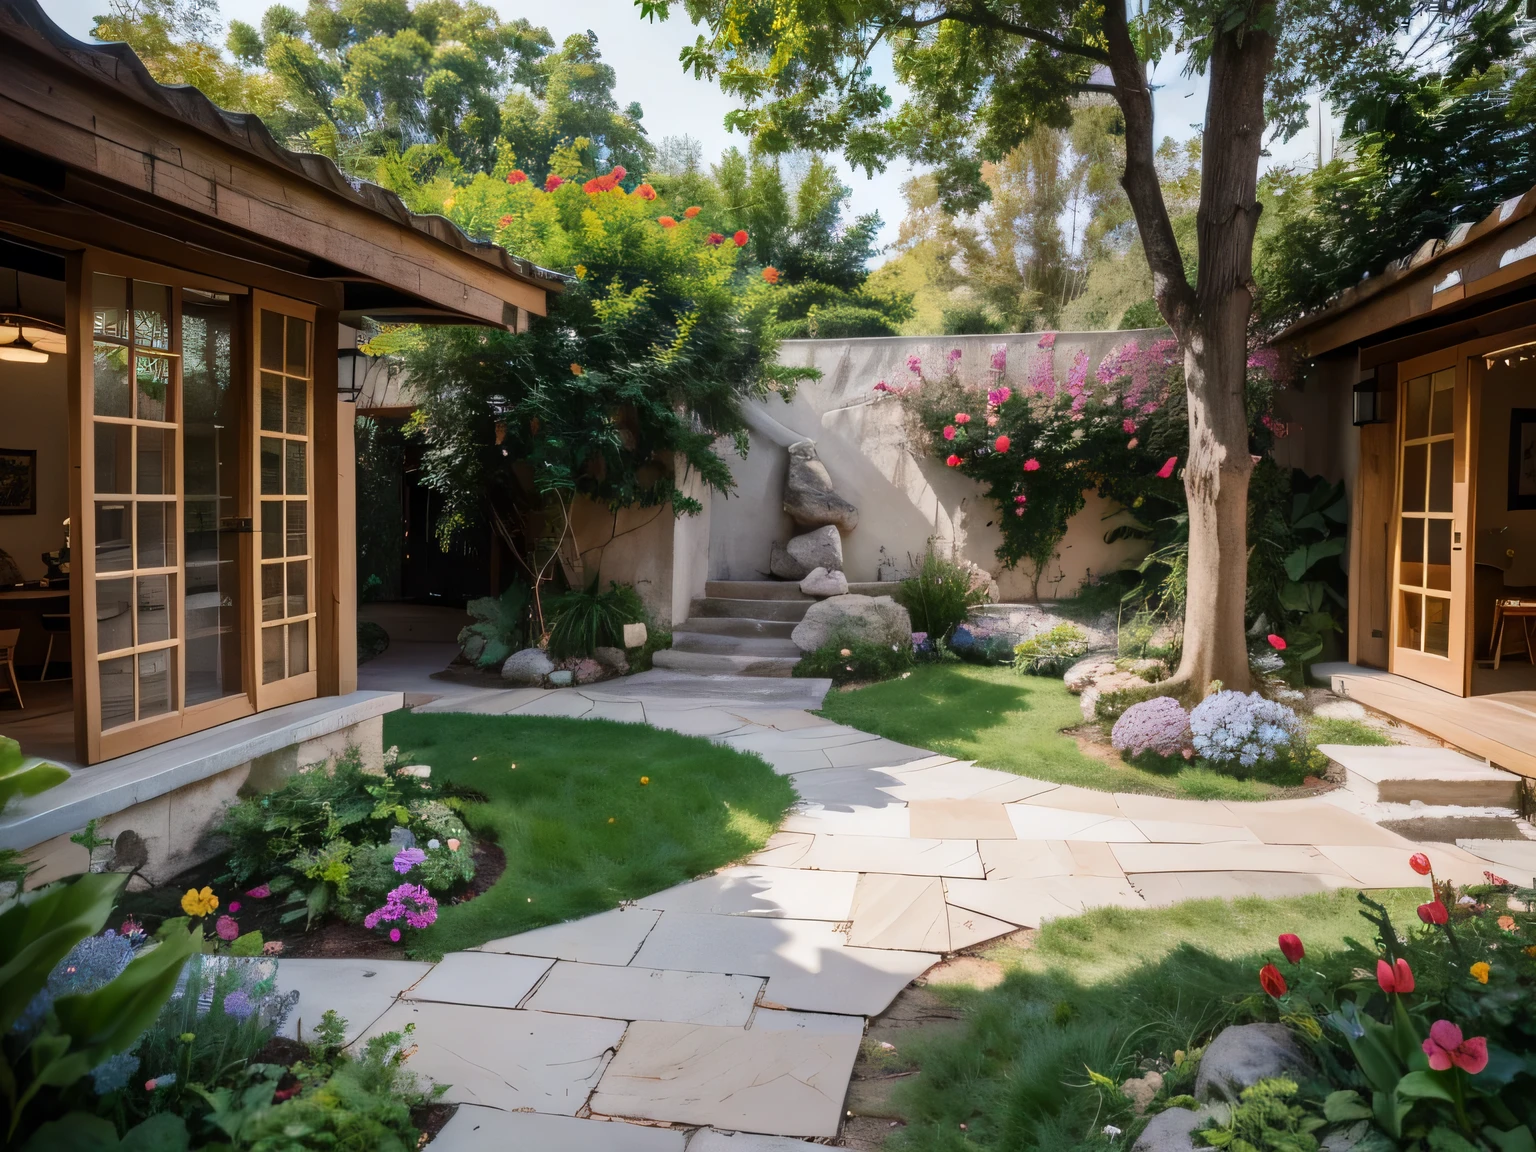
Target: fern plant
586, 619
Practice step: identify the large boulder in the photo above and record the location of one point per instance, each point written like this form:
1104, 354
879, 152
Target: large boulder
822, 548
1171, 1130
528, 667
876, 619
808, 495
1244, 1054
822, 583
613, 659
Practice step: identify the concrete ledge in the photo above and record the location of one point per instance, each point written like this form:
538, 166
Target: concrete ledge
114, 785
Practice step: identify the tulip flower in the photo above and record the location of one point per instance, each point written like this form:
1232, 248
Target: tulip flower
1002, 444
1290, 947
1419, 863
1271, 981
953, 461
1276, 642
1446, 1048
1396, 978
1433, 913
1167, 469
740, 238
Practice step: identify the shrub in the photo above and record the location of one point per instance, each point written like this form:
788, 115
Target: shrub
1110, 706
499, 627
1159, 726
1050, 653
940, 595
584, 620
844, 659
1240, 732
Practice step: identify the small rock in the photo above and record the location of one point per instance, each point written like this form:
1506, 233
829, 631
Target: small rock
1171, 1131
1142, 1090
808, 495
563, 678
877, 619
420, 771
634, 635
1086, 671
612, 658
820, 582
401, 838
1244, 1054
529, 666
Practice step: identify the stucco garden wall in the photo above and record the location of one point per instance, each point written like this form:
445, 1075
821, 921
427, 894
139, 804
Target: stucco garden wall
905, 497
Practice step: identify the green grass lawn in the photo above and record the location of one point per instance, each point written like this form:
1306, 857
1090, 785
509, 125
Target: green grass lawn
565, 801
1013, 723
1105, 991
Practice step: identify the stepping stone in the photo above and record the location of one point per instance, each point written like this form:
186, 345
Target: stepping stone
1189, 832
890, 819
847, 787
796, 893
784, 849
962, 780
960, 820
490, 979
808, 964
710, 1140
1234, 857
477, 1129
360, 991
608, 938
1378, 867
1023, 903
1309, 822
894, 854
1073, 798
1160, 889
905, 912
647, 994
785, 1075
1034, 822
1028, 859
506, 1059
1515, 860
967, 929
1401, 775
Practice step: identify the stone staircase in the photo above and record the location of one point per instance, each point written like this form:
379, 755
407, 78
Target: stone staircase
742, 628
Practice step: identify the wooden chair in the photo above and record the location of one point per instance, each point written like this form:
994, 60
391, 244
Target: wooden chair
55, 624
8, 639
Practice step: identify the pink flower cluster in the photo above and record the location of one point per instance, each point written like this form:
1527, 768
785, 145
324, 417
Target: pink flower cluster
997, 397
1042, 376
1077, 381
1000, 358
409, 902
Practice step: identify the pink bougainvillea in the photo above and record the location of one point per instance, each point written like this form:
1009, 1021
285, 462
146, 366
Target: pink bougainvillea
1048, 340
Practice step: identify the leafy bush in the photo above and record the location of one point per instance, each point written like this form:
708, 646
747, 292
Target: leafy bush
1050, 653
1159, 726
844, 659
976, 642
1110, 706
584, 620
499, 628
940, 595
323, 838
1245, 734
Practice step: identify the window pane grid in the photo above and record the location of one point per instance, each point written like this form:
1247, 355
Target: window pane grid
284, 486
1427, 515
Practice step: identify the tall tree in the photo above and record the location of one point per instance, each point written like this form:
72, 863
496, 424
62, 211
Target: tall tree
986, 74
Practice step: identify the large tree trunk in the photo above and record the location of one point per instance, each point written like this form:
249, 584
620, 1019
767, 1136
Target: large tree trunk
1211, 324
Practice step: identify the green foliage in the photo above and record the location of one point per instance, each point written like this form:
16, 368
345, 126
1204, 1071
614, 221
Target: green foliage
1296, 578
1052, 652
940, 595
845, 659
25, 775
323, 839
968, 320
1265, 1120
501, 623
1325, 730
1110, 706
583, 620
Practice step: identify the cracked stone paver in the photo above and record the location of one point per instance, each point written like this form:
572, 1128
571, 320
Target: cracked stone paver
729, 1009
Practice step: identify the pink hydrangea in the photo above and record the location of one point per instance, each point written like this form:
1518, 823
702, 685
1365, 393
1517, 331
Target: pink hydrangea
227, 928
1159, 725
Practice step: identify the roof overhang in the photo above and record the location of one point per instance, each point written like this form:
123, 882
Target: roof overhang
86, 134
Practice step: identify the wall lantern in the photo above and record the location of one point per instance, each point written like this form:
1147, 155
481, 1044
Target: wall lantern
351, 373
1372, 404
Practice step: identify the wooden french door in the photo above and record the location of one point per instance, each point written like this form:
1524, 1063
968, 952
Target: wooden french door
1432, 569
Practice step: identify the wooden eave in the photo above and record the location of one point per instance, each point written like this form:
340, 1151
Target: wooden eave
1476, 268
84, 129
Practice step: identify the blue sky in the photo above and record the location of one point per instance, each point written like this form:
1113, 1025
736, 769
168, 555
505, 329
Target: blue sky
644, 55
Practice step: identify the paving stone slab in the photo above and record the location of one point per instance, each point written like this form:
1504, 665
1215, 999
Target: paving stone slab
608, 938
1073, 798
619, 711
1034, 822
1309, 821
784, 719
474, 1128
786, 1075
963, 780
1139, 806
1025, 903
632, 993
807, 962
732, 691
1192, 832
1235, 857
506, 1059
847, 788
1380, 867
967, 928
892, 819
960, 820
784, 849
1027, 859
491, 979
878, 754
894, 854
1091, 858
712, 1140
906, 912
564, 702
1515, 860
1160, 889
1431, 775
360, 991
753, 890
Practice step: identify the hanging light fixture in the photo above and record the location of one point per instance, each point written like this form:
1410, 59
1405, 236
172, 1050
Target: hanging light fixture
26, 339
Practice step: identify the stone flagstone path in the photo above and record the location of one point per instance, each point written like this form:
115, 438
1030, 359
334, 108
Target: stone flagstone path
725, 1015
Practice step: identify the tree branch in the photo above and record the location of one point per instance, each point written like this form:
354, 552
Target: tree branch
983, 19
1170, 285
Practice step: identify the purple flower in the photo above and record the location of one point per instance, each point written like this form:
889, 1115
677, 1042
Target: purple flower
227, 928
1042, 376
997, 397
1000, 358
914, 364
1158, 725
238, 1004
409, 902
954, 355
1047, 341
408, 858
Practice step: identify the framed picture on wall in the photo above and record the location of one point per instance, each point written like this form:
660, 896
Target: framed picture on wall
18, 481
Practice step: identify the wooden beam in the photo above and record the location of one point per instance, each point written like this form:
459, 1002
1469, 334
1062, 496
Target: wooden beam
1457, 331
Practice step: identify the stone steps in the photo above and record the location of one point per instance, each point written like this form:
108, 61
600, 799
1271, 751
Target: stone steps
791, 610
713, 642
786, 589
724, 663
1430, 776
736, 626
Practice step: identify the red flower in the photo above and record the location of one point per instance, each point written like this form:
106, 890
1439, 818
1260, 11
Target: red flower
1002, 443
504, 221
1271, 981
599, 184
1419, 863
1290, 947
1128, 426
1433, 913
618, 173
1496, 881
666, 222
953, 461
287, 1093
551, 182
1167, 469
1276, 642
1445, 1047
516, 176
1031, 465
771, 274
740, 238
645, 192
962, 417
690, 212
1020, 499
1396, 978
949, 431
715, 239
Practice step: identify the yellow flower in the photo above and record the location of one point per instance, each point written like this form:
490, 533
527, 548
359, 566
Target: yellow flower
1531, 951
448, 204
610, 819
196, 903
645, 779
581, 271
1507, 923
1480, 972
